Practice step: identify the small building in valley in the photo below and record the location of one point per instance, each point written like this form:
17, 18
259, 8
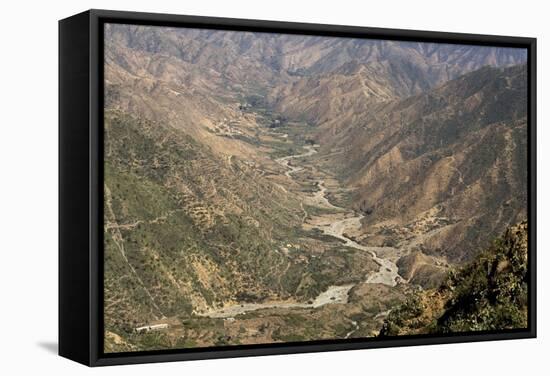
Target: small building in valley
148, 328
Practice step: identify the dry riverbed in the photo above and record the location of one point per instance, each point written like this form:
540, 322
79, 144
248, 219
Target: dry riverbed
334, 225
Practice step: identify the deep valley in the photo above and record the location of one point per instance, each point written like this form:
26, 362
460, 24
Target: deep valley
266, 188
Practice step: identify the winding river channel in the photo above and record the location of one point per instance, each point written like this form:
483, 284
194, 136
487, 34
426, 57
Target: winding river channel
387, 273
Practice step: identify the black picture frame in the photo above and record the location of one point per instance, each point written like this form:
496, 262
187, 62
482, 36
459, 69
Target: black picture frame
81, 196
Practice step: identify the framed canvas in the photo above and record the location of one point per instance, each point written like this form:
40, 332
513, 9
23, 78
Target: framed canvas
236, 187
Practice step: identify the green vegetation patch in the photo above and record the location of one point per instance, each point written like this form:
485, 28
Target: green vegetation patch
490, 293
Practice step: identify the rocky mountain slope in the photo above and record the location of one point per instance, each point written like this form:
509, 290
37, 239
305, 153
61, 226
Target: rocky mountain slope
450, 163
490, 293
188, 232
438, 174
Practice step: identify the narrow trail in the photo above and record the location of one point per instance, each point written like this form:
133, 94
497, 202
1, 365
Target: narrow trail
304, 217
119, 241
460, 176
355, 328
129, 226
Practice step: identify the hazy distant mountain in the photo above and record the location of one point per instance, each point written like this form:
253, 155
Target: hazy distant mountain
254, 59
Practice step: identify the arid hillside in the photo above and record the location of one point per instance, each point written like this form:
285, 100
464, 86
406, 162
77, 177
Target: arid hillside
450, 163
186, 230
